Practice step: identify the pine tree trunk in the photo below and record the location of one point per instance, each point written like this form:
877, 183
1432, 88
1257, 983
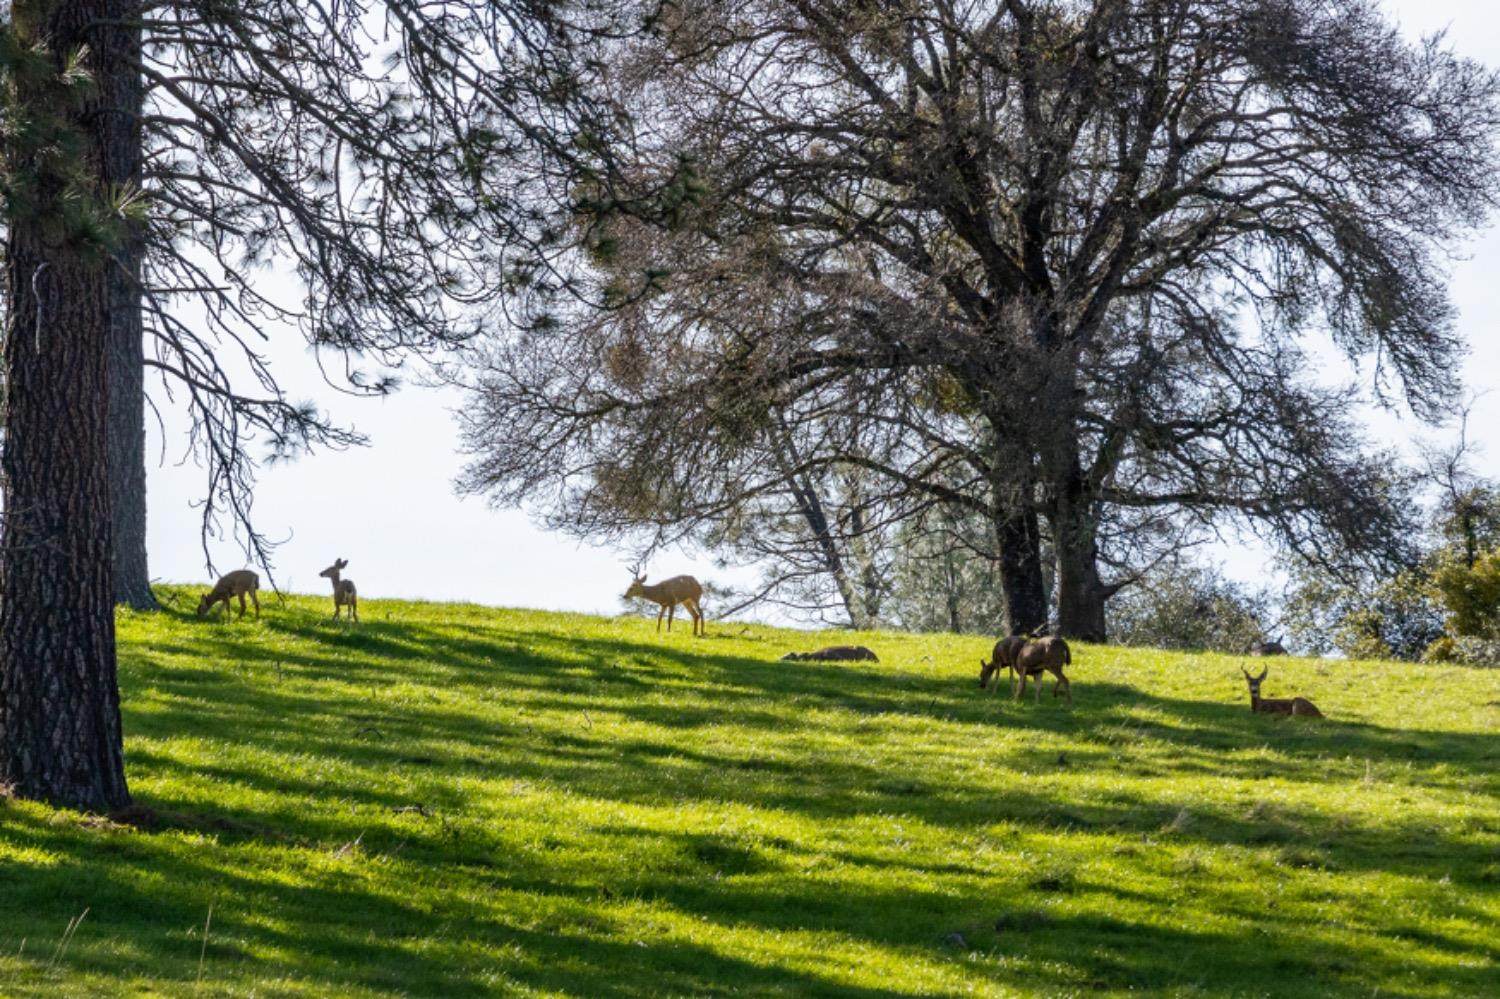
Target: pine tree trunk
127, 393
60, 737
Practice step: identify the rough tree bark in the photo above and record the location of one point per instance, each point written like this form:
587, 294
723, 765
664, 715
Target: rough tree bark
1018, 541
121, 135
60, 736
127, 435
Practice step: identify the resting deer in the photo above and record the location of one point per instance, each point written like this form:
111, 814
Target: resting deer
669, 593
834, 654
232, 584
1271, 648
1003, 657
1045, 655
1277, 705
343, 590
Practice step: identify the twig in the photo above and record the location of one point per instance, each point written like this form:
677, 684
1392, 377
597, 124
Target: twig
203, 950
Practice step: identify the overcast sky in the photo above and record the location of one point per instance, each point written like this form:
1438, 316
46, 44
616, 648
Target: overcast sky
391, 511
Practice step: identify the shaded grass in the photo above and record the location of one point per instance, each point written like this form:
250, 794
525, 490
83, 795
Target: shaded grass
453, 800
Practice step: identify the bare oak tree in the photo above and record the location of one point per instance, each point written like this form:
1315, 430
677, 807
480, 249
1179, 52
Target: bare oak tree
1077, 252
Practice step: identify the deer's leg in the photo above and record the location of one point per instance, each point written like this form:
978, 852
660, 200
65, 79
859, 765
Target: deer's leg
659, 615
256, 597
702, 622
354, 608
242, 606
1018, 688
671, 613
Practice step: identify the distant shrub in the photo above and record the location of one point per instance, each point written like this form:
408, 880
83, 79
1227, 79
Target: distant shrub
1187, 607
1470, 594
1476, 651
1364, 617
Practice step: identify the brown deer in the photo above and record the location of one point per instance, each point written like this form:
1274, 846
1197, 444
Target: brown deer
834, 654
344, 594
1003, 657
1271, 648
1045, 655
1300, 706
232, 584
669, 593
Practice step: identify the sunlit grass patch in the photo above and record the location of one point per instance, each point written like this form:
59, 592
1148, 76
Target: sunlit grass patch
452, 800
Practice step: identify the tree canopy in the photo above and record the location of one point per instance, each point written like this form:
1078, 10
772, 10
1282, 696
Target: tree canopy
1071, 260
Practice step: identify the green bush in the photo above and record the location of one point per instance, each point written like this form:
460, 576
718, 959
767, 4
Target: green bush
1470, 594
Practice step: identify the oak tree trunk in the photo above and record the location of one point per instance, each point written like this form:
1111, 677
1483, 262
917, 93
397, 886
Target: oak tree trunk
1081, 594
1074, 519
60, 736
1019, 542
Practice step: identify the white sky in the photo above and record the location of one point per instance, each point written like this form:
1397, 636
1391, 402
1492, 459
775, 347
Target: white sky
391, 511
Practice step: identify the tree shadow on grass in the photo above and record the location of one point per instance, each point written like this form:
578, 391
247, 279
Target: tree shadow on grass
314, 705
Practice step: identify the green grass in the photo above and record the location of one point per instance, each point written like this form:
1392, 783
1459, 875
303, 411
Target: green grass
456, 801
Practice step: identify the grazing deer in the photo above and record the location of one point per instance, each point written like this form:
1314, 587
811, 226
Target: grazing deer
343, 590
1045, 655
1277, 705
1003, 657
669, 593
1271, 648
232, 584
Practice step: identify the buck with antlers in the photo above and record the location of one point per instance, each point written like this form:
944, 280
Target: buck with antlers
669, 593
1300, 706
344, 594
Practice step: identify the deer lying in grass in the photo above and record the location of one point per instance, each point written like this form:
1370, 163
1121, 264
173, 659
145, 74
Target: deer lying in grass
238, 583
1271, 648
669, 593
834, 654
1045, 655
1003, 657
344, 594
1300, 706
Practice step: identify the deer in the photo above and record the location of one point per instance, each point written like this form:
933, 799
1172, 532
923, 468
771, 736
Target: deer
1271, 648
669, 593
1004, 656
1045, 655
344, 593
238, 583
1299, 706
834, 654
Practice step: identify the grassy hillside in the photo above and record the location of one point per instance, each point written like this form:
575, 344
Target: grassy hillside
456, 801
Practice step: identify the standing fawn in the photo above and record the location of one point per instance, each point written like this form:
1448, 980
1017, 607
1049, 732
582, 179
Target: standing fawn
669, 593
232, 584
343, 590
1045, 655
1277, 705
